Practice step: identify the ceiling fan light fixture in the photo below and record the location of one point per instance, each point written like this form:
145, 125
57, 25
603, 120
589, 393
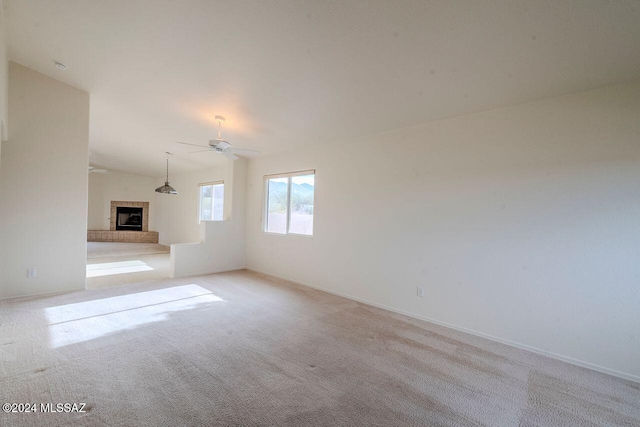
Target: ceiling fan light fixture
219, 145
166, 188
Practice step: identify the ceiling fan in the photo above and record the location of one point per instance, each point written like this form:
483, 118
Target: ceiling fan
221, 146
96, 170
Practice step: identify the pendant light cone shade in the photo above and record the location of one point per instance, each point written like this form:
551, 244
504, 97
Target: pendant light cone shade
166, 188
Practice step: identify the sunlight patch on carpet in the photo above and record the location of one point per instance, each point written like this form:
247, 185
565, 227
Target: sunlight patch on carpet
122, 267
84, 321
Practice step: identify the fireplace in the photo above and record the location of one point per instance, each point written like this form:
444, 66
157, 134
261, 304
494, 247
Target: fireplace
128, 222
128, 218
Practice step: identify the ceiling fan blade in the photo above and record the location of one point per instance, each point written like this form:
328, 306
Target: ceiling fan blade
104, 161
94, 170
195, 145
200, 151
229, 155
242, 150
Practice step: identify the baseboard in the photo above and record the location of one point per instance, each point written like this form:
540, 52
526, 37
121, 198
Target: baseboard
204, 273
515, 344
44, 294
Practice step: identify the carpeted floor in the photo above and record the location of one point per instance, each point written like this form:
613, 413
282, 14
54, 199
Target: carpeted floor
240, 349
115, 249
123, 270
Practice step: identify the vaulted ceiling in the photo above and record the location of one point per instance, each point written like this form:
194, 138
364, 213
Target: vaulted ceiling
293, 73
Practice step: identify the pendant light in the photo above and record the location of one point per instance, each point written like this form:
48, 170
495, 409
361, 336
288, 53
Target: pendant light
166, 188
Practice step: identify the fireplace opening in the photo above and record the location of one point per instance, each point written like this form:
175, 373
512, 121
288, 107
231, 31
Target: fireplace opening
128, 218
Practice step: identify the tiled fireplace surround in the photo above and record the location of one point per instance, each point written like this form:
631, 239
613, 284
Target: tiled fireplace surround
113, 235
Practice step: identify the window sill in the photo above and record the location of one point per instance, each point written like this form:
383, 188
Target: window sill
270, 233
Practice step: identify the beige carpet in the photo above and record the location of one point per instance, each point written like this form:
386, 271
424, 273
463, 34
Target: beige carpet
114, 249
239, 349
123, 270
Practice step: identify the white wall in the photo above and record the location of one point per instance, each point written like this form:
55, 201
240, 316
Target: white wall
176, 216
118, 186
521, 223
4, 82
223, 244
43, 186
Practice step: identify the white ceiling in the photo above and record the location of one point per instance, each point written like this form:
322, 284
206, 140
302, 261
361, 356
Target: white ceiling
294, 73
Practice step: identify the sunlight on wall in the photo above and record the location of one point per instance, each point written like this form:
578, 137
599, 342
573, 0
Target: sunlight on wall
84, 321
111, 268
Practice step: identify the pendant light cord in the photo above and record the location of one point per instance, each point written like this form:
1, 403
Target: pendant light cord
166, 188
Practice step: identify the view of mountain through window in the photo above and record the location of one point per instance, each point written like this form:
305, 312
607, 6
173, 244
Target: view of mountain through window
289, 207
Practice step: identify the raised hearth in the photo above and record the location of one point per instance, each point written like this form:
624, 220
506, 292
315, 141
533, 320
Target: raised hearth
122, 236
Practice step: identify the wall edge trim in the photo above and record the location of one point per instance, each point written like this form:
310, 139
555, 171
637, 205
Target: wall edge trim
44, 294
206, 273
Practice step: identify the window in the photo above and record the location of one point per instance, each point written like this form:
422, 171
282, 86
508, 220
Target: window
289, 203
211, 201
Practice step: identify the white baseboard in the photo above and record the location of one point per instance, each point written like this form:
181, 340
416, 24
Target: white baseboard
44, 294
204, 273
516, 344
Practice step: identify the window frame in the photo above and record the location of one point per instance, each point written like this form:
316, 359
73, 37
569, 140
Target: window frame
199, 211
265, 205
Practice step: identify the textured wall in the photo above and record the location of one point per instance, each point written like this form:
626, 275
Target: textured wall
105, 188
176, 216
521, 223
43, 186
223, 242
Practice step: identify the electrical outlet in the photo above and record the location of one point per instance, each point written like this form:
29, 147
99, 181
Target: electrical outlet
420, 291
31, 273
